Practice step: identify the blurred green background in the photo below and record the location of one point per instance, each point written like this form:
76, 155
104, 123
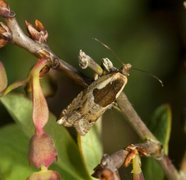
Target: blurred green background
149, 34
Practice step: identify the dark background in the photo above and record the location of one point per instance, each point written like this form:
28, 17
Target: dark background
149, 34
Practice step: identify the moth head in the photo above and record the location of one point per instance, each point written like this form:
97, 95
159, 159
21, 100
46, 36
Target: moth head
125, 69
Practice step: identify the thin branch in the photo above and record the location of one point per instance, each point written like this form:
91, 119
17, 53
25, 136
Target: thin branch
152, 146
141, 129
42, 49
86, 61
128, 111
169, 169
112, 163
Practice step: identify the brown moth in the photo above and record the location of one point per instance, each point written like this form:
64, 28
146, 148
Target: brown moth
92, 102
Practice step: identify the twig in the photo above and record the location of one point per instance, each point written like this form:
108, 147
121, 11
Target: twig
42, 49
169, 169
128, 111
110, 164
86, 61
141, 129
153, 146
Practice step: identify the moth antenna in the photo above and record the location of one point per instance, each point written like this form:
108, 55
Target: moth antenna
117, 57
150, 74
108, 48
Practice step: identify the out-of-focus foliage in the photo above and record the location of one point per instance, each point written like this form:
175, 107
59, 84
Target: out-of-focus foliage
91, 148
149, 34
14, 161
69, 158
160, 125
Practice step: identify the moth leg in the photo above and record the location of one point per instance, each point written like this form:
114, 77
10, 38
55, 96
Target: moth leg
107, 65
115, 106
82, 126
69, 119
96, 76
63, 121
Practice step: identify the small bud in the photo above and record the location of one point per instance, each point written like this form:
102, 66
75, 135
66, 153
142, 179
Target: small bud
3, 42
132, 152
5, 31
37, 32
45, 175
3, 4
5, 35
32, 31
5, 10
42, 151
3, 78
136, 171
39, 26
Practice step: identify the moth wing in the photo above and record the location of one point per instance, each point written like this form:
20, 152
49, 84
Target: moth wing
71, 112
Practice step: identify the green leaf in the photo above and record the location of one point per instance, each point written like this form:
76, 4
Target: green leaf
69, 158
13, 154
160, 125
152, 170
91, 147
20, 109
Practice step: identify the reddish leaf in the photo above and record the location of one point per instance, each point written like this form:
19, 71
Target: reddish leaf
42, 151
40, 107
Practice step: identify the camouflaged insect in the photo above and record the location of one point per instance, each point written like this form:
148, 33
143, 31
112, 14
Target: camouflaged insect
91, 103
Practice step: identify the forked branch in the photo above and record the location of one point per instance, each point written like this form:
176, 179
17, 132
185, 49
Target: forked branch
41, 49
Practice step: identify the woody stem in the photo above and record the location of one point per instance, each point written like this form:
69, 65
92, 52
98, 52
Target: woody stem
22, 40
141, 129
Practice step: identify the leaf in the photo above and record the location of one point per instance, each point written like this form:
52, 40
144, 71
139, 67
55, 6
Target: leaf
40, 111
40, 107
69, 159
160, 125
3, 77
14, 86
13, 153
91, 147
152, 170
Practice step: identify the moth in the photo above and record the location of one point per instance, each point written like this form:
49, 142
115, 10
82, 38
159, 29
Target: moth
91, 103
